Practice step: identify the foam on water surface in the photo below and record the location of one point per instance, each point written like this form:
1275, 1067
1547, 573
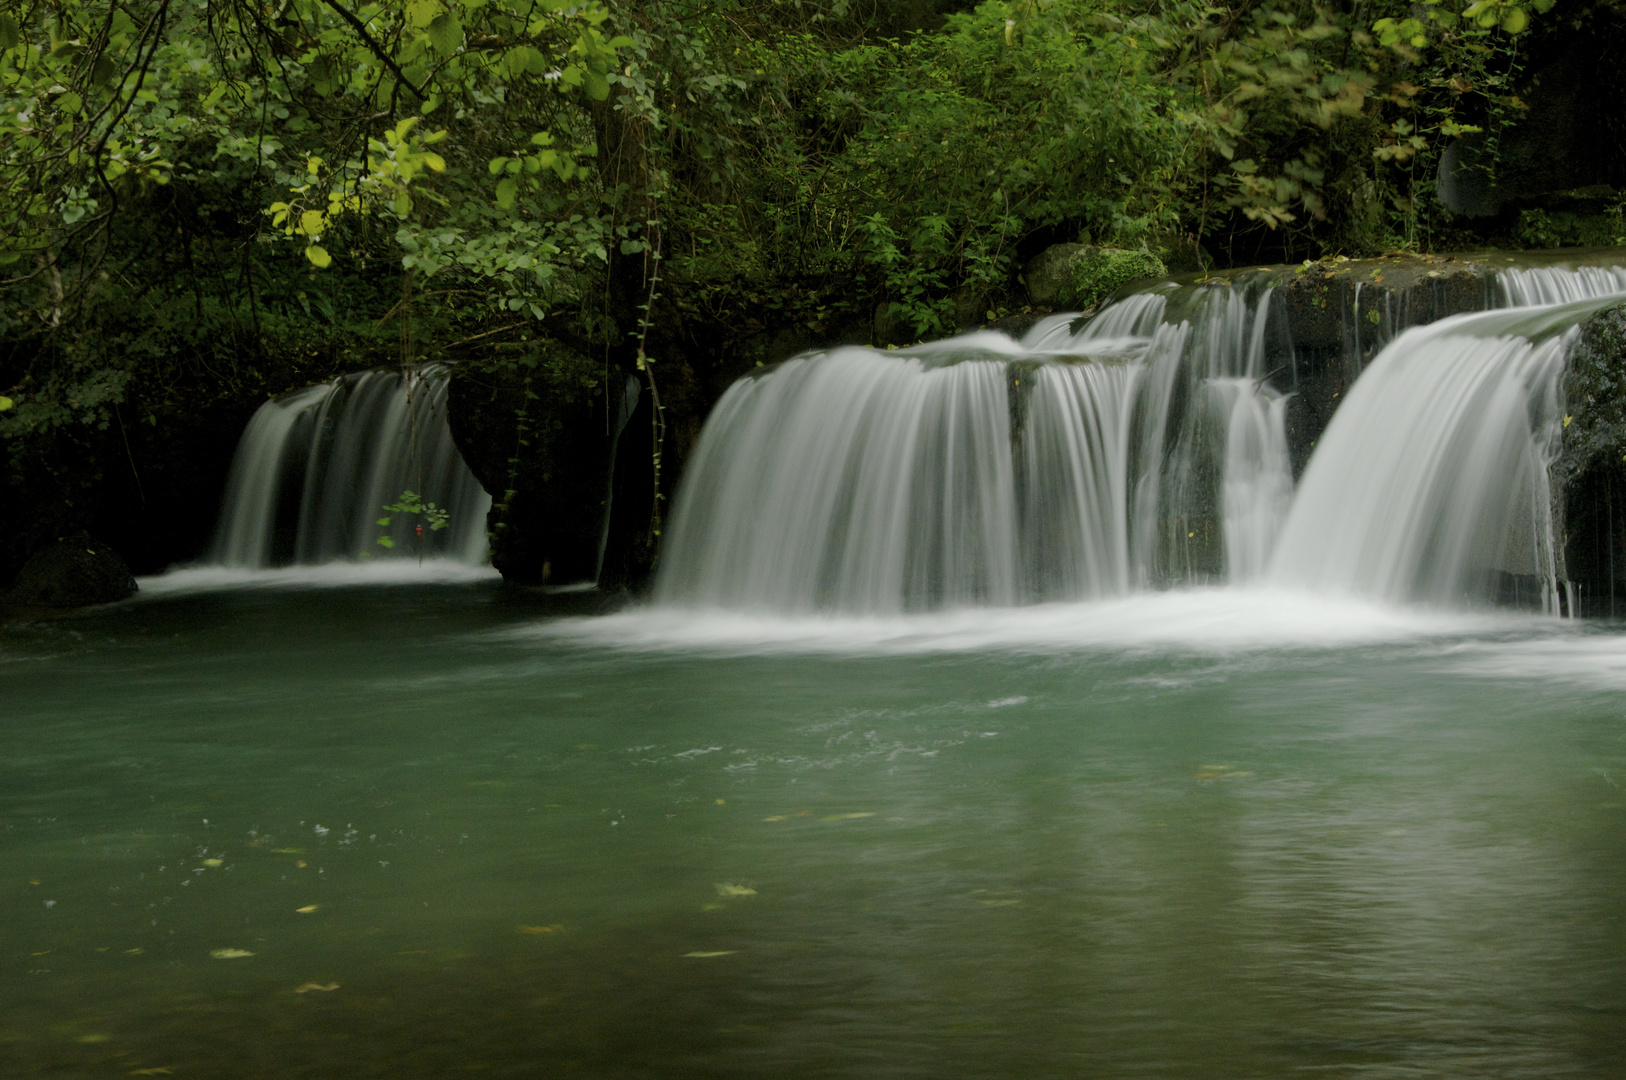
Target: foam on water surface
1215, 621
333, 575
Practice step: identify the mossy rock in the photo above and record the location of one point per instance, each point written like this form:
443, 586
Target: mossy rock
1098, 272
1595, 397
1079, 276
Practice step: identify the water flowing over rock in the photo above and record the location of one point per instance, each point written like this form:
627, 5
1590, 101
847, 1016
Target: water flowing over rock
1157, 444
315, 469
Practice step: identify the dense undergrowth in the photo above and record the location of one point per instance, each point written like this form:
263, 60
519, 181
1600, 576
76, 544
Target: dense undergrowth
204, 202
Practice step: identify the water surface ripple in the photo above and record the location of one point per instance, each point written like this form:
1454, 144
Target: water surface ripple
415, 832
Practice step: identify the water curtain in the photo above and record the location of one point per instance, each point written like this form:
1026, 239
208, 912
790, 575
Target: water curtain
1144, 448
315, 468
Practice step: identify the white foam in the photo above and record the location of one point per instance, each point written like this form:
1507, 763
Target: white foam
1580, 659
1203, 621
199, 579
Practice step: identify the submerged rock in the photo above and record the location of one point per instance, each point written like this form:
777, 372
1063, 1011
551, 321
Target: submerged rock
76, 571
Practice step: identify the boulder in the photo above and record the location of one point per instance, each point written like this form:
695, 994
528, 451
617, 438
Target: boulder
76, 571
1080, 276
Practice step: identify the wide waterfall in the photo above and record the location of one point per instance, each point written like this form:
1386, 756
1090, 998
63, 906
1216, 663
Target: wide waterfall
1075, 464
314, 470
1145, 447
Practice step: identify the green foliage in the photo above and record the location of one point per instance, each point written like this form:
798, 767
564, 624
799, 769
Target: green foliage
208, 201
435, 517
1099, 271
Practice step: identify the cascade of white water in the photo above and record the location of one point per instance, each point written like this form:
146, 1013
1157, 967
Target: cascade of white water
1074, 480
340, 452
1258, 478
857, 480
1144, 447
1431, 481
1558, 285
1074, 464
244, 534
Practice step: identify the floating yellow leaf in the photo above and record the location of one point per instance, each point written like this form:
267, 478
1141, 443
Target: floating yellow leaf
307, 909
134, 952
308, 987
302, 864
778, 817
721, 802
708, 955
554, 929
229, 954
214, 862
289, 851
725, 889
848, 817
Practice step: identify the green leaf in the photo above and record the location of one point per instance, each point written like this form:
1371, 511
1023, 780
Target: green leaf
1513, 22
6, 403
507, 190
318, 256
598, 87
10, 32
384, 541
446, 34
383, 521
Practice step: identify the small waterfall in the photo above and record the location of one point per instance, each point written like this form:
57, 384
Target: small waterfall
857, 481
1079, 463
1558, 285
1431, 481
315, 468
1258, 483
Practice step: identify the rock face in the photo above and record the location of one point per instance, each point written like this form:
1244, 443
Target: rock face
76, 571
1589, 474
543, 451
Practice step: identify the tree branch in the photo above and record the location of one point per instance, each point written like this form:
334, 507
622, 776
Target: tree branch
377, 49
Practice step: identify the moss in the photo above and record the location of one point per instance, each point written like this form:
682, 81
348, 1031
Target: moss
1537, 228
1097, 272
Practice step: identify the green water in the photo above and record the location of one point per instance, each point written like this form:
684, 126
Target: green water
1400, 853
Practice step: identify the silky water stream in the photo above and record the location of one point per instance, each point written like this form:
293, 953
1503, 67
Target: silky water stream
895, 792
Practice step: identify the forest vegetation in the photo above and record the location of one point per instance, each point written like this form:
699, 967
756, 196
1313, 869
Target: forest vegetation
206, 202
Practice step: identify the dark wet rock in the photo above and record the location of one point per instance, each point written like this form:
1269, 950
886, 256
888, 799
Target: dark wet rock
1589, 474
75, 571
540, 443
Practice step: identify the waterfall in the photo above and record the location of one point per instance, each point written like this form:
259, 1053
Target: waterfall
1431, 481
1558, 285
1079, 463
1144, 448
314, 470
